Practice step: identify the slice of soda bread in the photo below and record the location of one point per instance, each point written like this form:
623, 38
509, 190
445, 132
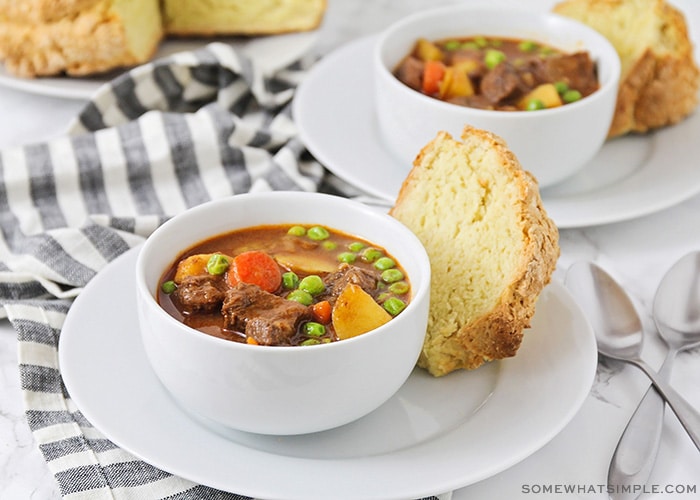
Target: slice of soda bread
491, 245
659, 80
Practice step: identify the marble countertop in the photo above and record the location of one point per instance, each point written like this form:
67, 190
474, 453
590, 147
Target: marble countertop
636, 252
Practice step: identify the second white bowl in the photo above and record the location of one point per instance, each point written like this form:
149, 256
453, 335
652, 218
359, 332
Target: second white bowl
552, 144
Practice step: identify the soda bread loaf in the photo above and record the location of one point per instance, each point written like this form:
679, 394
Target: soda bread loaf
491, 245
83, 37
659, 80
78, 37
240, 17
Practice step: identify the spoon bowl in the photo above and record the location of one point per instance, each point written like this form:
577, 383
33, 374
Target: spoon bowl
612, 314
677, 304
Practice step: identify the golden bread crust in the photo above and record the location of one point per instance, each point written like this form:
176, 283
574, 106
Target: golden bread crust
93, 41
660, 81
42, 11
506, 247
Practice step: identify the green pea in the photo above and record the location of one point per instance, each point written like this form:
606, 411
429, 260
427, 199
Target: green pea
527, 46
318, 233
330, 245
394, 306
217, 264
534, 105
296, 231
370, 254
312, 284
290, 280
399, 288
356, 246
314, 329
571, 96
452, 45
481, 42
168, 287
311, 342
300, 296
493, 58
470, 45
392, 275
384, 263
561, 87
347, 257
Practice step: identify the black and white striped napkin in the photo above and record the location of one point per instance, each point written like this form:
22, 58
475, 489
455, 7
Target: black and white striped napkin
160, 138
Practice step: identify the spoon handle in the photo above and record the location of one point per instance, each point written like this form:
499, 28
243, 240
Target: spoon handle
687, 415
636, 451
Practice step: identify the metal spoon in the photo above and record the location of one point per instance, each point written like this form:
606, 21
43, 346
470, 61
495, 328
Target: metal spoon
618, 332
677, 316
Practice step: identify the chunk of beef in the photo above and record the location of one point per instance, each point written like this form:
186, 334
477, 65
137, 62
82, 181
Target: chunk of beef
410, 72
502, 83
203, 293
268, 318
578, 70
346, 273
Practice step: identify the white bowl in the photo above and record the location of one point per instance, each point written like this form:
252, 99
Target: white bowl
552, 144
281, 390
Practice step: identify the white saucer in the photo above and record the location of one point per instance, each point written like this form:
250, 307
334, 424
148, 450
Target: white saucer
270, 52
630, 177
434, 435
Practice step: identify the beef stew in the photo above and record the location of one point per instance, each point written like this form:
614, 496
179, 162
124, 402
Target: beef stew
501, 74
284, 285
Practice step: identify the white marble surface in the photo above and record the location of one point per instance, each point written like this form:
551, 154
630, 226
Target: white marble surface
636, 252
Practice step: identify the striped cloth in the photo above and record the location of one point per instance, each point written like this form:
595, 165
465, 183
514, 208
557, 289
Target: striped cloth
159, 139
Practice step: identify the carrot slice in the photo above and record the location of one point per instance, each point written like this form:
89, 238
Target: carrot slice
433, 73
257, 268
322, 312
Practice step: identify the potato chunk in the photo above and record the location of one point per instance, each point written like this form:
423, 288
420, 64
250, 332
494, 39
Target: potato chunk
305, 264
194, 265
356, 312
456, 82
547, 93
428, 51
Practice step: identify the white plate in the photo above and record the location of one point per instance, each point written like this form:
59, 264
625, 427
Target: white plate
434, 435
630, 177
271, 52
